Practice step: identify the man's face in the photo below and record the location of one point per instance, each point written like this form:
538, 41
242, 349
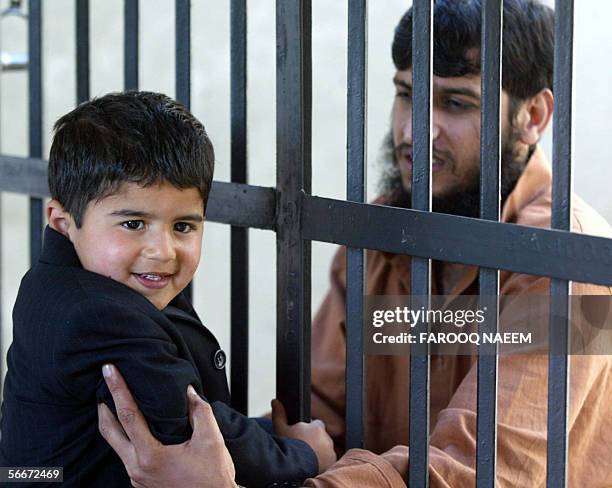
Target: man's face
147, 238
455, 131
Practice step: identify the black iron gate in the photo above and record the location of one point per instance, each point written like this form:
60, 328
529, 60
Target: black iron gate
299, 218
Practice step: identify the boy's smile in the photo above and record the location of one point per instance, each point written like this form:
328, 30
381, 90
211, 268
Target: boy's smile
147, 238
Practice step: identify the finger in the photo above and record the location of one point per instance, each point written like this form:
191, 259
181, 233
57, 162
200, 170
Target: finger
128, 413
113, 433
279, 415
202, 419
318, 423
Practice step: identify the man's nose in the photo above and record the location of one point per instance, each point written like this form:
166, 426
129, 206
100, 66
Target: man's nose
161, 247
407, 130
435, 128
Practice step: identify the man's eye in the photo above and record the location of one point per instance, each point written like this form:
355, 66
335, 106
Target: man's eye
183, 227
133, 224
404, 95
456, 104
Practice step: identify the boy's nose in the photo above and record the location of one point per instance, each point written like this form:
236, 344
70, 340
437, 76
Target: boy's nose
161, 247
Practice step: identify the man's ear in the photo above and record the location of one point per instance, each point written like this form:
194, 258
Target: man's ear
534, 116
59, 219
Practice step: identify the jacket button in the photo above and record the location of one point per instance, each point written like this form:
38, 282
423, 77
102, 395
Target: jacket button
219, 359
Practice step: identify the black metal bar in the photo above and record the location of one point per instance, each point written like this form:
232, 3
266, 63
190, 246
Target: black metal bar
242, 205
515, 248
130, 47
1, 308
356, 191
82, 50
27, 176
239, 236
182, 34
490, 164
183, 51
558, 366
293, 124
229, 203
422, 30
35, 117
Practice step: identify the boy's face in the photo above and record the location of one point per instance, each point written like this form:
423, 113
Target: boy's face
149, 239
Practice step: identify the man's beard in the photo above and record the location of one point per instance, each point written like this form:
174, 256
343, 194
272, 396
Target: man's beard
463, 200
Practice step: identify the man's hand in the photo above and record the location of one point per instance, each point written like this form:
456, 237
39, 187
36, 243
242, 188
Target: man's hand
398, 458
201, 462
312, 433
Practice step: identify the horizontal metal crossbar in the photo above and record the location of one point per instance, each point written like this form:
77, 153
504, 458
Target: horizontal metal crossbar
518, 248
229, 203
242, 205
27, 176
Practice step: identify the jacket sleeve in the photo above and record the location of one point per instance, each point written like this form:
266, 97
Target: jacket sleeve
522, 415
98, 331
260, 458
358, 468
521, 434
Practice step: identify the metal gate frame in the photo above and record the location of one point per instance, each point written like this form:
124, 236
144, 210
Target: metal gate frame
298, 217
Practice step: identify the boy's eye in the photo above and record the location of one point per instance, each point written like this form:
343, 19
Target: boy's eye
183, 227
133, 224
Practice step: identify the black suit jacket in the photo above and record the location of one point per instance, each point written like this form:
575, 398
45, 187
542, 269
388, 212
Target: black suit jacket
68, 322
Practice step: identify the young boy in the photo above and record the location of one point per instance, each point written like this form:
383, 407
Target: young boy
129, 176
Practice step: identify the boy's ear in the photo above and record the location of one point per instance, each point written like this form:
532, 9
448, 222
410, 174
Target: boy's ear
59, 219
534, 116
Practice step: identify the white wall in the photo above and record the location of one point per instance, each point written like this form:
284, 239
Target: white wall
210, 102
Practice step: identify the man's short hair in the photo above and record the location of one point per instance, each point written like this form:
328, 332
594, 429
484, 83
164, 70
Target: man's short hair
527, 54
133, 137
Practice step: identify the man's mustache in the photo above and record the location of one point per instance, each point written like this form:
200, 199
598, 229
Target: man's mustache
404, 150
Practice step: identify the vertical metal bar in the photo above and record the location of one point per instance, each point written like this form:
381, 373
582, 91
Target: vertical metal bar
558, 366
356, 192
239, 235
183, 51
182, 33
1, 308
1, 265
422, 45
35, 116
490, 164
293, 131
130, 47
1, 261
82, 49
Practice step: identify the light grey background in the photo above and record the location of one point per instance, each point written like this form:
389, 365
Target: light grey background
210, 102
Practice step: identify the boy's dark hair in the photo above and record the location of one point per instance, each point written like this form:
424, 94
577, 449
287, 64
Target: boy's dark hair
527, 53
132, 137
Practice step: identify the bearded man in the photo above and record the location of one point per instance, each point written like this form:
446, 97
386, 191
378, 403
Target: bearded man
527, 105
